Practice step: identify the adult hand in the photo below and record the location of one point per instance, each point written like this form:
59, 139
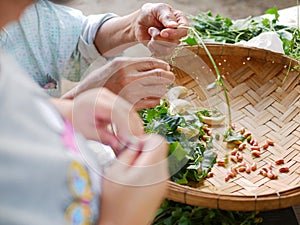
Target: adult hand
135, 185
103, 116
141, 81
153, 23
158, 23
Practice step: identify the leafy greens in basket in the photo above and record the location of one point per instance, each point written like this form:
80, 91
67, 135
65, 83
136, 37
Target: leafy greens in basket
220, 29
190, 148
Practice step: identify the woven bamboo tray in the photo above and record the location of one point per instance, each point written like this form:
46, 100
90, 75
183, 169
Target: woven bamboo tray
264, 92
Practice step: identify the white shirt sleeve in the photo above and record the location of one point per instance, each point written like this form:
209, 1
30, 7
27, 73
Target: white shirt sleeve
90, 27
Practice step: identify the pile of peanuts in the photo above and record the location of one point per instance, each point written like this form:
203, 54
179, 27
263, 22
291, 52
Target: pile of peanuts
236, 156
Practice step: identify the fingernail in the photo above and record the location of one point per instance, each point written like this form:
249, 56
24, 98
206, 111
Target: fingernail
164, 34
154, 32
172, 24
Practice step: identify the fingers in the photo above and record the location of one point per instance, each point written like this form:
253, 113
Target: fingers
128, 124
130, 65
146, 103
154, 151
139, 78
162, 48
136, 178
155, 70
156, 76
95, 109
150, 150
173, 34
170, 19
149, 63
107, 136
164, 40
146, 88
146, 163
181, 18
165, 15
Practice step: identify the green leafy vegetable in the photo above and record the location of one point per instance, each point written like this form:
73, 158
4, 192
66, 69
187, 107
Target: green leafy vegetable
190, 155
172, 213
220, 29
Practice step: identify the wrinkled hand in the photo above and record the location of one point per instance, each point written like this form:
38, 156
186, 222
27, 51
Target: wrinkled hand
141, 81
135, 185
157, 23
93, 113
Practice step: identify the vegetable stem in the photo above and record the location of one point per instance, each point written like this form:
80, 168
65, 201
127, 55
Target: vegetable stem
219, 77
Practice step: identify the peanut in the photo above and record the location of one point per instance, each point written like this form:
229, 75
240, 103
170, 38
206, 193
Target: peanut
255, 143
221, 163
248, 134
210, 174
264, 173
242, 131
240, 157
270, 166
234, 151
265, 146
242, 146
279, 161
271, 143
233, 158
242, 169
255, 153
284, 170
275, 175
253, 166
255, 148
270, 174
248, 169
227, 178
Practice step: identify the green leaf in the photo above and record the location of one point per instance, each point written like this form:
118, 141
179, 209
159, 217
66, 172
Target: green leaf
177, 213
196, 166
231, 136
273, 11
177, 151
190, 41
209, 159
168, 221
183, 180
184, 221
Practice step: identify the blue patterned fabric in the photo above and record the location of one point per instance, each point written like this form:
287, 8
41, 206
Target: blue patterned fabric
46, 43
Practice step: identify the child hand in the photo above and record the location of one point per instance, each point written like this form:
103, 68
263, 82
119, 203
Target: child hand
135, 185
103, 116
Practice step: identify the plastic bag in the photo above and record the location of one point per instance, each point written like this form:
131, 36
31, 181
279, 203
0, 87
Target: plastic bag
266, 40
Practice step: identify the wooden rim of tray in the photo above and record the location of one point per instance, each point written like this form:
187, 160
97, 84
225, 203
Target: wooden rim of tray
263, 104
